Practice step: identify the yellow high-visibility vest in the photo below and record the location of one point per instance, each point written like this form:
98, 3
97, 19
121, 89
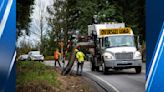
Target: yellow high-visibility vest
80, 56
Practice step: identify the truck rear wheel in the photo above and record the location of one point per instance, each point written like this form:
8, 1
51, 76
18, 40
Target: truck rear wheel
93, 66
97, 68
138, 69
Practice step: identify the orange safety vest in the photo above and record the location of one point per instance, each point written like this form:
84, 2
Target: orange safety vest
56, 55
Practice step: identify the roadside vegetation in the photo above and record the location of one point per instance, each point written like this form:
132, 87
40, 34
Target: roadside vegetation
36, 77
49, 58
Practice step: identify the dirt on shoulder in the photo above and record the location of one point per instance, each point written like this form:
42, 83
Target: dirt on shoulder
74, 83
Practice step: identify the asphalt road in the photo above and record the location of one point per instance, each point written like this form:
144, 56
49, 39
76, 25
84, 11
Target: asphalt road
115, 81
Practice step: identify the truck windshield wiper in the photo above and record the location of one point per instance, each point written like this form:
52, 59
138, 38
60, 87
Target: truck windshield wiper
122, 45
117, 46
111, 46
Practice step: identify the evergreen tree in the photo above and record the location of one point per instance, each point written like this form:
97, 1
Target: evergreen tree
24, 9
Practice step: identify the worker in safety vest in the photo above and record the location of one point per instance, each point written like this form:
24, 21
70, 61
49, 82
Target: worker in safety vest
56, 57
80, 61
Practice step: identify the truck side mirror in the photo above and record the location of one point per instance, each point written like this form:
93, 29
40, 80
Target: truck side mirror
138, 43
139, 47
103, 48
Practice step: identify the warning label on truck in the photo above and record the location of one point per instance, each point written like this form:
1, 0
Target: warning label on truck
115, 31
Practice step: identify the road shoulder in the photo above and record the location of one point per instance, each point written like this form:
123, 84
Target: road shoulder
105, 86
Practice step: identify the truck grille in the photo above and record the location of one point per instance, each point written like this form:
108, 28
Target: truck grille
124, 56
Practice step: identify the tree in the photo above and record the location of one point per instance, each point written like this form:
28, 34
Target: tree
24, 48
24, 9
133, 13
58, 20
81, 13
39, 21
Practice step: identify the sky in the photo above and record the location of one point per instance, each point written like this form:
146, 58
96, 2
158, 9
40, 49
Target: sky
39, 8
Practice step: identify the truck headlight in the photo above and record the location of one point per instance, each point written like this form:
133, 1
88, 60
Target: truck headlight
137, 55
107, 56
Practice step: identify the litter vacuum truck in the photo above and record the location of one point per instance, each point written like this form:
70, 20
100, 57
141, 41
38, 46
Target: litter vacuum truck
114, 47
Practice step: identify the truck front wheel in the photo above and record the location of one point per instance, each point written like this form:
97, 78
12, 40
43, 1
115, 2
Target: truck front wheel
138, 69
104, 69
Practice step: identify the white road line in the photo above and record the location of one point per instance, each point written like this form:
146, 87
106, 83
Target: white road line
114, 88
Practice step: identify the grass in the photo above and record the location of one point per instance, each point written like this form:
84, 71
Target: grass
36, 77
29, 71
49, 58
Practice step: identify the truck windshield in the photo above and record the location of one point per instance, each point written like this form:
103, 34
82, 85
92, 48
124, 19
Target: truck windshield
118, 41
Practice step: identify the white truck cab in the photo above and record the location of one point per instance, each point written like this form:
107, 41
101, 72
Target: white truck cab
114, 47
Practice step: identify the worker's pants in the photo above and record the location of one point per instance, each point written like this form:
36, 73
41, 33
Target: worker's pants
56, 60
79, 65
